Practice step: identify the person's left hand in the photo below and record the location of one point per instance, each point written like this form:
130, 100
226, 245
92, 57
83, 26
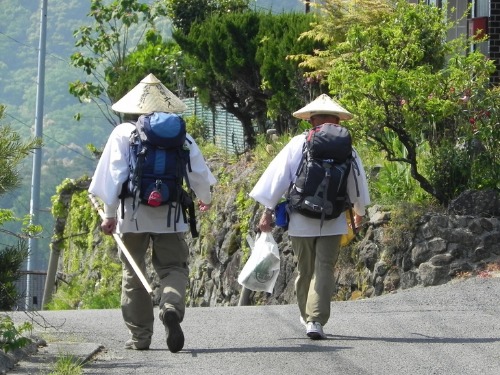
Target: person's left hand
204, 206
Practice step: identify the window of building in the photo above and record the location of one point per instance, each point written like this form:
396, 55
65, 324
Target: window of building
481, 8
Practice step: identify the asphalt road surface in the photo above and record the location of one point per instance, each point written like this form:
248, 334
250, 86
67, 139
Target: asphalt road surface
448, 329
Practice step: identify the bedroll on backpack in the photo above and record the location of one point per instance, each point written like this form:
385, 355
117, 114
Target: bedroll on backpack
320, 189
158, 165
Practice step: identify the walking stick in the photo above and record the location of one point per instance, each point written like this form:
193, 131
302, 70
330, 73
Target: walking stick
123, 248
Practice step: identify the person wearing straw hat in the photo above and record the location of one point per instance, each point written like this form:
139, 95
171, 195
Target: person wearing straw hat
169, 249
315, 243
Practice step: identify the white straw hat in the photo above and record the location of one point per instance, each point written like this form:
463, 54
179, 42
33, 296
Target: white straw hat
150, 95
323, 105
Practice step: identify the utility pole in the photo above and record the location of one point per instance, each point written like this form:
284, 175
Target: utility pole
37, 157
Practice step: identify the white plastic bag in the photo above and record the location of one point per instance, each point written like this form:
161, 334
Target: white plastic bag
262, 268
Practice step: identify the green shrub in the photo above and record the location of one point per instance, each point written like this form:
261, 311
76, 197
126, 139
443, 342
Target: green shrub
11, 336
11, 260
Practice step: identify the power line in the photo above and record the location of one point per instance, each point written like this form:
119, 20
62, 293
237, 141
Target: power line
51, 138
14, 196
32, 47
15, 40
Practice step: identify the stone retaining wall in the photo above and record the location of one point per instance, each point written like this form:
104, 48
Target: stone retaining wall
460, 242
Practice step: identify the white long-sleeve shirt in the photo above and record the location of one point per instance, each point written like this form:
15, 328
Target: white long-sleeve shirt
276, 179
112, 171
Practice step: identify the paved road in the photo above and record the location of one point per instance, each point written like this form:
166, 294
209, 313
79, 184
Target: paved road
449, 329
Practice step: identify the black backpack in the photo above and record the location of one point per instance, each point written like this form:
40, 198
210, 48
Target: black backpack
320, 190
158, 165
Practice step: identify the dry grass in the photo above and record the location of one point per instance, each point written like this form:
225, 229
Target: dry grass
490, 270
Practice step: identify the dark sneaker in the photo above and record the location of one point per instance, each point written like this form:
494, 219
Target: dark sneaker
131, 344
175, 336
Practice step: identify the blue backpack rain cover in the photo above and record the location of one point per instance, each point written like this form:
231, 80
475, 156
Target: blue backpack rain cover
158, 165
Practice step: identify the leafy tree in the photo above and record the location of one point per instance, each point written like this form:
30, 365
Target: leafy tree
118, 27
287, 87
11, 261
404, 81
239, 62
222, 52
334, 18
12, 151
186, 12
162, 58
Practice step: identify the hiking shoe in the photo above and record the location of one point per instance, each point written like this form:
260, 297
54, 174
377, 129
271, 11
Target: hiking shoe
314, 331
175, 336
131, 344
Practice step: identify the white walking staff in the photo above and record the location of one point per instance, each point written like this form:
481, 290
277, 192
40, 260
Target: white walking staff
122, 247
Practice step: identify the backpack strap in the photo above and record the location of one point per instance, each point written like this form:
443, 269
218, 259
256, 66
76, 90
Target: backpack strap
323, 188
355, 168
188, 166
185, 200
297, 172
134, 144
187, 204
137, 176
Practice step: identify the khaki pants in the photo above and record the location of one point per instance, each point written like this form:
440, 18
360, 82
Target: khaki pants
169, 257
314, 285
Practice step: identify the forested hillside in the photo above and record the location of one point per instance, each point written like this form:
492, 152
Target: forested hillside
64, 153
65, 139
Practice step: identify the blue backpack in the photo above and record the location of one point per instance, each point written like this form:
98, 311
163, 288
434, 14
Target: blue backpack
158, 165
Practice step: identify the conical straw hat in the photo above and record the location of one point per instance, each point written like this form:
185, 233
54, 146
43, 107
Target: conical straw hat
324, 105
150, 95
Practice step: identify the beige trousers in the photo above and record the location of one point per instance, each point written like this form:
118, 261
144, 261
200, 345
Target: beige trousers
314, 285
170, 261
